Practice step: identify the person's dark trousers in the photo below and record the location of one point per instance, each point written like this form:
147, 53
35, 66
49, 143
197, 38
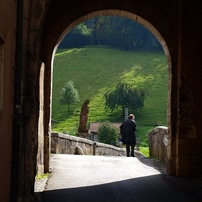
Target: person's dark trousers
130, 149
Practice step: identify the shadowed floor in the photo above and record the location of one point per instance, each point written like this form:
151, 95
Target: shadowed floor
101, 178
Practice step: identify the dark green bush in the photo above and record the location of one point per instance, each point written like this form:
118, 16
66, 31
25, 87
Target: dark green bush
108, 134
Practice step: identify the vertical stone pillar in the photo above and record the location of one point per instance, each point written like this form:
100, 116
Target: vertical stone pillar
40, 154
47, 114
173, 116
187, 146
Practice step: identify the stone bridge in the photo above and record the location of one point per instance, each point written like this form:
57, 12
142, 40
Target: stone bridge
67, 144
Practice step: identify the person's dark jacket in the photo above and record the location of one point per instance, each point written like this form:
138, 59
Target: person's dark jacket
127, 130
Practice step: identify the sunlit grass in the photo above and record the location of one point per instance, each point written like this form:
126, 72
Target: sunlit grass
144, 151
38, 176
94, 70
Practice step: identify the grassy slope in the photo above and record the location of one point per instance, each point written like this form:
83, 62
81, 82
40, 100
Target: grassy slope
97, 69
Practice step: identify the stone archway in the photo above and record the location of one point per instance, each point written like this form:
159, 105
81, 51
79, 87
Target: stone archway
121, 13
155, 16
134, 17
42, 25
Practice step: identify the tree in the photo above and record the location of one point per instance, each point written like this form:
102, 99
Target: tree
124, 96
107, 133
117, 32
79, 36
69, 95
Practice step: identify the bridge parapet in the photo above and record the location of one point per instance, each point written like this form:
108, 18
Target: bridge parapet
158, 140
67, 144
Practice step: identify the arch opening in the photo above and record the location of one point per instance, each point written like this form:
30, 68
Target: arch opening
48, 56
128, 15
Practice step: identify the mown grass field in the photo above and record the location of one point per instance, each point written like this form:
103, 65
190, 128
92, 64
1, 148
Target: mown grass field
95, 70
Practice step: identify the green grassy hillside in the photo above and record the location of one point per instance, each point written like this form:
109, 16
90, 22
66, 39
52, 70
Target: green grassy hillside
94, 70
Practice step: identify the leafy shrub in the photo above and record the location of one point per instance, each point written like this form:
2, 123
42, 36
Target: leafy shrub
108, 134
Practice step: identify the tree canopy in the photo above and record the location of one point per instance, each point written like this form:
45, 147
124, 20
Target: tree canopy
117, 32
125, 96
69, 95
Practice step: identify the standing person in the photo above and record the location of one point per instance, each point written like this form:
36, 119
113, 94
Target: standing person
128, 129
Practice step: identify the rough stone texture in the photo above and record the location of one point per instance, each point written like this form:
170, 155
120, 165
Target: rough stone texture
41, 24
67, 144
7, 69
40, 153
178, 43
158, 141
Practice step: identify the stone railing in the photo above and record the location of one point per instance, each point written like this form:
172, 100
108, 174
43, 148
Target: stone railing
158, 140
67, 144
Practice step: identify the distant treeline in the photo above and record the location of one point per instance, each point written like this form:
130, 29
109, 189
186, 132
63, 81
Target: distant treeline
113, 31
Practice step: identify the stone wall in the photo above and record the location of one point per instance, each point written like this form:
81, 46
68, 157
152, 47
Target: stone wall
37, 35
158, 141
40, 153
8, 67
67, 144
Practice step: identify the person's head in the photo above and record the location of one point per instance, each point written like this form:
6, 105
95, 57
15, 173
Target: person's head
131, 116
